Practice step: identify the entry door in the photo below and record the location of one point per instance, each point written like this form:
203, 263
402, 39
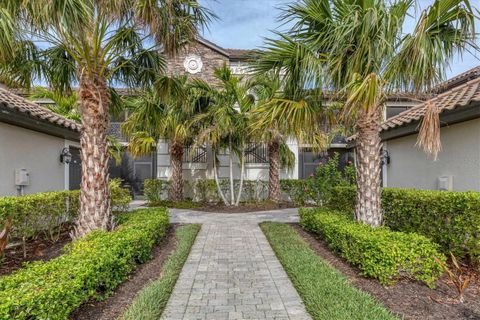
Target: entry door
75, 169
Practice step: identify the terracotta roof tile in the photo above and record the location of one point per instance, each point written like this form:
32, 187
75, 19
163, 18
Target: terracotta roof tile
456, 97
20, 104
460, 96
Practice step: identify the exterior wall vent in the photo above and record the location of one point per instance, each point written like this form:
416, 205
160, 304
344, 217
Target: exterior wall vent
445, 183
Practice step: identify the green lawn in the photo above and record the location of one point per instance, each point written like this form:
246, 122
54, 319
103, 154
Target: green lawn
151, 300
325, 292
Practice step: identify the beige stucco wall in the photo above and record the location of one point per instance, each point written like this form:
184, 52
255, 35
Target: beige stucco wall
37, 152
410, 167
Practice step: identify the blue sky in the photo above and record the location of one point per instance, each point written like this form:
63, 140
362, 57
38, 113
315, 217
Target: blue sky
245, 23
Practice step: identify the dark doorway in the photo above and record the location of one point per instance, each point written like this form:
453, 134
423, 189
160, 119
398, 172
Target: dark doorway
309, 160
133, 172
75, 169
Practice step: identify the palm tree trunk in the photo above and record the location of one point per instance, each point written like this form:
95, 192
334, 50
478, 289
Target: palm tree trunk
217, 182
274, 189
242, 170
232, 189
176, 189
95, 210
368, 208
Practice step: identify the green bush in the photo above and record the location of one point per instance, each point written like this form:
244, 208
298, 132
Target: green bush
449, 218
90, 268
119, 196
378, 252
300, 192
155, 190
49, 212
33, 214
328, 176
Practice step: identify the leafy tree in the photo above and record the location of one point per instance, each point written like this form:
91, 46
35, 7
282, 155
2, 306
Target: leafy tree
356, 51
93, 44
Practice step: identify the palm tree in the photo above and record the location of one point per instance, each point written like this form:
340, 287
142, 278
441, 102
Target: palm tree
63, 103
93, 44
358, 50
276, 118
224, 125
164, 112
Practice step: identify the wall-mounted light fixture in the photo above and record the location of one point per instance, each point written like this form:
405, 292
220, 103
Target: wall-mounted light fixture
65, 156
384, 157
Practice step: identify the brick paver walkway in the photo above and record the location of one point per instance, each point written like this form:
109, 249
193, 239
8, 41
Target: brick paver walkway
232, 272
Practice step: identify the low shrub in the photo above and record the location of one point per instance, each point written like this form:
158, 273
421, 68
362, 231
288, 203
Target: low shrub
119, 196
449, 218
378, 252
156, 190
49, 212
90, 268
33, 214
300, 192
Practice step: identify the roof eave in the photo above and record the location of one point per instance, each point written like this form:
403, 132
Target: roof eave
24, 120
448, 117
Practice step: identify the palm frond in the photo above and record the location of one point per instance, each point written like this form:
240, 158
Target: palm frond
429, 134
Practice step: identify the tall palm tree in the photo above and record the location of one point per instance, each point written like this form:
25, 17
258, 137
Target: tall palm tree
224, 125
163, 112
276, 119
93, 44
358, 50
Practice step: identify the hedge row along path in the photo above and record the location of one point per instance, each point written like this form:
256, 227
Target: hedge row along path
232, 272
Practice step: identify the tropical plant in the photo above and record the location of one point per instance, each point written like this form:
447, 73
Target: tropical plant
279, 117
62, 103
456, 276
164, 112
358, 50
93, 44
224, 124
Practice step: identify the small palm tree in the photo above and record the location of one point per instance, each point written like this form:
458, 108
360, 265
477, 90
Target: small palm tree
164, 112
358, 50
224, 125
62, 103
93, 44
276, 119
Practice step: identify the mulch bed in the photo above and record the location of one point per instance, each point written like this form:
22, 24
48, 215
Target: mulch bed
408, 299
246, 207
114, 306
41, 248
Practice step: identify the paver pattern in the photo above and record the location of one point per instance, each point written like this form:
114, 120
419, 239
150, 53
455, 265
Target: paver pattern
232, 272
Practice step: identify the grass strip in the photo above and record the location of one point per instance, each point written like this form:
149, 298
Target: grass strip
151, 300
325, 292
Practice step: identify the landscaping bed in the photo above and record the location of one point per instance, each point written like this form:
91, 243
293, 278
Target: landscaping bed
222, 208
408, 299
326, 293
90, 268
41, 248
150, 302
115, 305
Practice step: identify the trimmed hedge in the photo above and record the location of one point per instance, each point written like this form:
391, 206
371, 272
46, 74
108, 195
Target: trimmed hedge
49, 212
90, 268
449, 218
378, 252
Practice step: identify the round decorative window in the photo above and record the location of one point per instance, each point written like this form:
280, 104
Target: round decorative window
193, 64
